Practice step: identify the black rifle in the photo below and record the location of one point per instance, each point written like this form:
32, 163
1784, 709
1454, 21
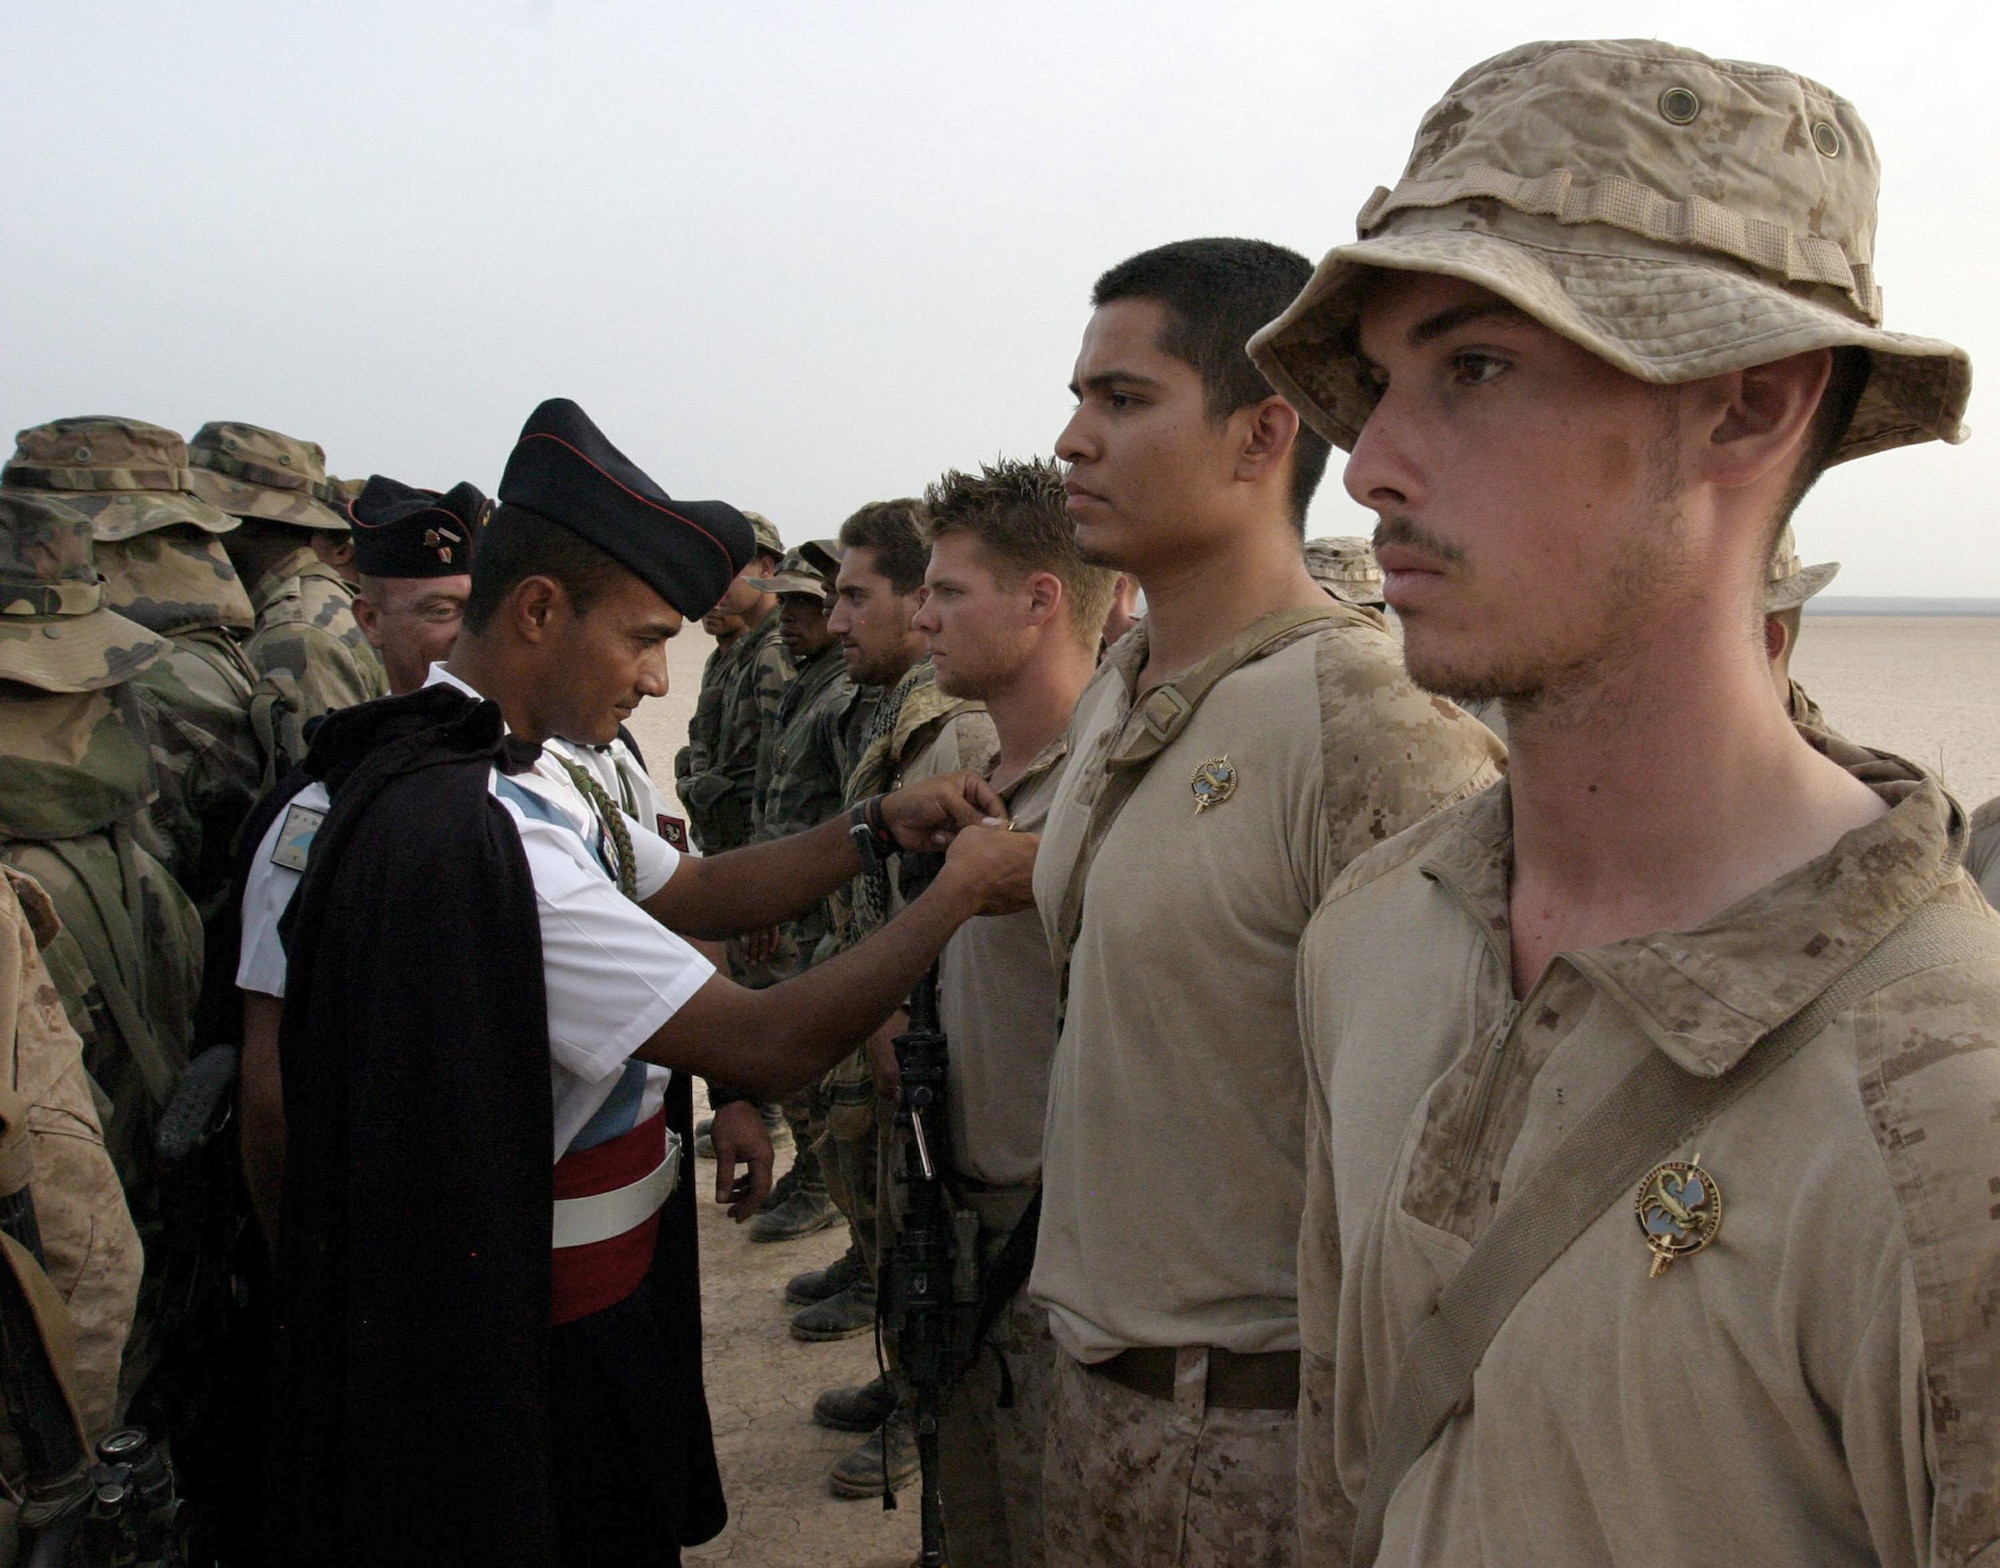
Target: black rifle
924, 1262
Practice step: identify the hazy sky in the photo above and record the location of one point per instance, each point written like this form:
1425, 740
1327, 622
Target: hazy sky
805, 256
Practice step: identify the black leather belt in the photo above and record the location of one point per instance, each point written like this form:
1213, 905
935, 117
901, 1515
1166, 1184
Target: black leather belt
1267, 1380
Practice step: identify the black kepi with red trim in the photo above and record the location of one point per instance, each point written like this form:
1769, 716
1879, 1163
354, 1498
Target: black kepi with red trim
401, 531
564, 470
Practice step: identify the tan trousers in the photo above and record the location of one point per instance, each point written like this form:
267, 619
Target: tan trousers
1134, 1482
991, 1457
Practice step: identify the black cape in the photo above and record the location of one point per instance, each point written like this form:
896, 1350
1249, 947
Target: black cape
410, 1394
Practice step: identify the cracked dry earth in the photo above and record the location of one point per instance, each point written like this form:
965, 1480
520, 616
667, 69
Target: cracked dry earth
761, 1385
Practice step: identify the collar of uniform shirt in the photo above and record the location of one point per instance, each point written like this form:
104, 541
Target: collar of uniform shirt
546, 778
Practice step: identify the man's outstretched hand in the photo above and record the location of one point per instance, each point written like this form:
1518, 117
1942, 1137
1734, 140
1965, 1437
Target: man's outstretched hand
928, 815
739, 1134
996, 866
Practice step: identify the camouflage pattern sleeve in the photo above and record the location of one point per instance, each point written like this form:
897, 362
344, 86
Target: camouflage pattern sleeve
1393, 753
209, 762
89, 1245
308, 633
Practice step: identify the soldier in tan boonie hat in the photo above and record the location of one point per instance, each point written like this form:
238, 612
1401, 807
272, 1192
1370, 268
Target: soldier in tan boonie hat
1787, 586
248, 471
1791, 582
55, 633
1718, 215
1615, 319
1346, 567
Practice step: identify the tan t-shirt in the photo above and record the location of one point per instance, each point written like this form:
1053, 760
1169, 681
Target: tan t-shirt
1174, 1164
1822, 1383
997, 998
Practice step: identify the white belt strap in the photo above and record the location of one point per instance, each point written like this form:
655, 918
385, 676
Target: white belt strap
581, 1221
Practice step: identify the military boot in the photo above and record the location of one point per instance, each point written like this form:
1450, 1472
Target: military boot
838, 1317
864, 1472
798, 1204
802, 1290
860, 1409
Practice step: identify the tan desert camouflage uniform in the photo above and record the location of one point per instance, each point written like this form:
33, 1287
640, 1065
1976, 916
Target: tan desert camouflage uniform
1179, 1247
1820, 1383
90, 1250
1830, 1354
1982, 850
307, 652
164, 568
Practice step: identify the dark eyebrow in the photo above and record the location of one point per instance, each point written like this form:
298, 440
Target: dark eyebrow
1107, 380
1434, 327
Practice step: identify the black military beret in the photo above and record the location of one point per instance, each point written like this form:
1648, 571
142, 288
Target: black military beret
401, 531
563, 469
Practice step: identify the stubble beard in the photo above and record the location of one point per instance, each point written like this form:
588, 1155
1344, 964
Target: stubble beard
1564, 678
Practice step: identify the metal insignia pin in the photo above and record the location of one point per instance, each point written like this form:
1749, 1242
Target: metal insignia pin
1679, 1209
1213, 783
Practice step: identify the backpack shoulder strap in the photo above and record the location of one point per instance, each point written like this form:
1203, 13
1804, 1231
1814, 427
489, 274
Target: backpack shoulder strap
1655, 1110
1162, 714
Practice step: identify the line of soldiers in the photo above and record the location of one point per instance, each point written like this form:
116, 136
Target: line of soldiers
1339, 1104
176, 615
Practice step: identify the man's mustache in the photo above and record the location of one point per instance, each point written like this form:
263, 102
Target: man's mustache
1400, 530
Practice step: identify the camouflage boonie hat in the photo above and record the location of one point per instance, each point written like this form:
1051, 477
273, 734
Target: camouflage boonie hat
55, 633
1677, 216
252, 472
1346, 568
343, 493
796, 574
126, 476
823, 556
766, 534
1790, 583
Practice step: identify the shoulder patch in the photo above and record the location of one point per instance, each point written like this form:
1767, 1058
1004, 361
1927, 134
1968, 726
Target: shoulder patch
294, 845
674, 830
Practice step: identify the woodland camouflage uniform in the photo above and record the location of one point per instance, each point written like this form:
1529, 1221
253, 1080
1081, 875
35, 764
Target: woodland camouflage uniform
715, 774
307, 651
164, 568
76, 774
916, 731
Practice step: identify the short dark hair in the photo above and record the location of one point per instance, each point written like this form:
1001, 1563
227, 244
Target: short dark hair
1017, 512
516, 545
1217, 293
894, 530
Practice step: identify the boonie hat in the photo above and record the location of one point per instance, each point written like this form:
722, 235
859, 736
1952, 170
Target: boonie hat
126, 476
249, 471
823, 556
797, 574
1346, 567
563, 469
401, 531
55, 633
1677, 216
1789, 583
766, 532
